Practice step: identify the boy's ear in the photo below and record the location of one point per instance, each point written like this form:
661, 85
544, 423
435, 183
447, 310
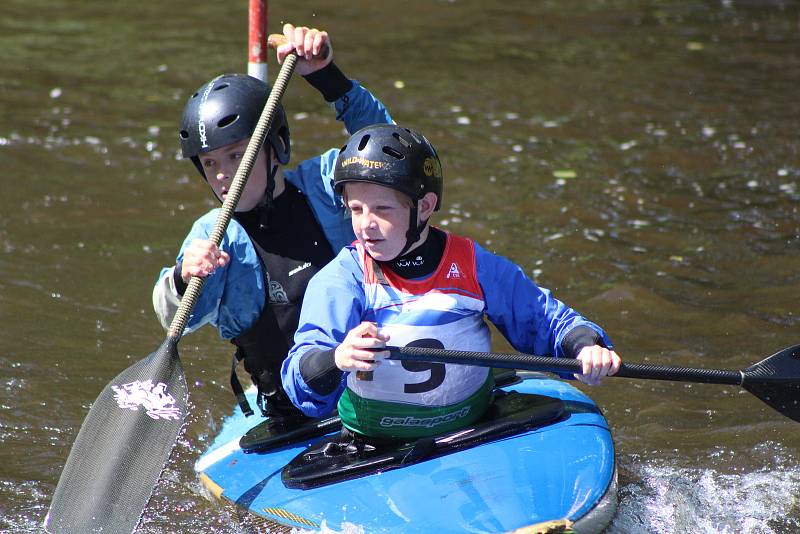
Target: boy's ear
426, 205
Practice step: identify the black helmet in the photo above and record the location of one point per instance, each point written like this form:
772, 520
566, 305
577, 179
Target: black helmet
226, 110
392, 156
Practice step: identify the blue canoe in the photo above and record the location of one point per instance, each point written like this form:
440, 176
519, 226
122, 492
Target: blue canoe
559, 467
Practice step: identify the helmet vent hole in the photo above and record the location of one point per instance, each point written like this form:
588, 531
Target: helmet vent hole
364, 140
392, 152
414, 135
184, 134
221, 86
402, 141
227, 120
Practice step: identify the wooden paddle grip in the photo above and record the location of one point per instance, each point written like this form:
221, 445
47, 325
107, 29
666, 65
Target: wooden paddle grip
277, 39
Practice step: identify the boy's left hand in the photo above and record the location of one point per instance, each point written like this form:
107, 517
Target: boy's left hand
598, 362
313, 48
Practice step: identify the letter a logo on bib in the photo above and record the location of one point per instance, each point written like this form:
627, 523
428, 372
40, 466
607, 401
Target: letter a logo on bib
453, 272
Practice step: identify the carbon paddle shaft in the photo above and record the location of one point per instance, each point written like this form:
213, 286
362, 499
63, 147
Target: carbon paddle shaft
130, 431
562, 365
774, 380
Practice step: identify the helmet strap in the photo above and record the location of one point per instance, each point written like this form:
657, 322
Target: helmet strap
272, 170
414, 230
199, 166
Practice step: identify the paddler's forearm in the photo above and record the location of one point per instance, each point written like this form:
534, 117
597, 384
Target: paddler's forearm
166, 298
318, 370
312, 385
354, 104
579, 337
330, 81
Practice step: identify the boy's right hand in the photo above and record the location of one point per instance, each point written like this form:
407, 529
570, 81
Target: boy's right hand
353, 354
313, 48
201, 258
597, 362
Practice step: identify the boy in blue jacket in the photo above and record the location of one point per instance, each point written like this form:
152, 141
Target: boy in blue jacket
408, 283
287, 224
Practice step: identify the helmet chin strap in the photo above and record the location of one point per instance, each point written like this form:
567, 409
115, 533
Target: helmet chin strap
272, 170
414, 230
269, 187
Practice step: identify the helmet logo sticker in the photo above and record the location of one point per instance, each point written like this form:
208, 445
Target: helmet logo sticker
431, 167
364, 162
201, 125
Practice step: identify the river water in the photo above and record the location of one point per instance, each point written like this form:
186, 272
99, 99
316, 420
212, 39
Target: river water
638, 157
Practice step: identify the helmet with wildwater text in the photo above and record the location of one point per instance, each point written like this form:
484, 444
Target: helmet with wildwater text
391, 156
397, 158
226, 110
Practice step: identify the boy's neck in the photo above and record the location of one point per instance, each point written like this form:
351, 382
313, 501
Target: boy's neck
423, 258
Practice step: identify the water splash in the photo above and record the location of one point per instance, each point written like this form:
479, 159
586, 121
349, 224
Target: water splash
666, 499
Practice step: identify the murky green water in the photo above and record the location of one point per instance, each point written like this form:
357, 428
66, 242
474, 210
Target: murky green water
640, 158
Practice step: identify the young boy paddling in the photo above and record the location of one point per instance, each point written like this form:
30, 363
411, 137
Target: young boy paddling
287, 224
408, 283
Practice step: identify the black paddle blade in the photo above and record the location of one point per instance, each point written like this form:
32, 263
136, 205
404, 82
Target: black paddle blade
122, 447
776, 381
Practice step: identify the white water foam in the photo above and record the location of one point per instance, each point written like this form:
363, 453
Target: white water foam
668, 499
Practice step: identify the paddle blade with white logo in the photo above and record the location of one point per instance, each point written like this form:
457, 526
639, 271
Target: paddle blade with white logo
122, 447
127, 436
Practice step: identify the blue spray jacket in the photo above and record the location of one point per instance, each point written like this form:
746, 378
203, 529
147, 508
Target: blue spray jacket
528, 316
221, 303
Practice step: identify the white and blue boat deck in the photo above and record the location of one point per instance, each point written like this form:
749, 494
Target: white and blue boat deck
562, 470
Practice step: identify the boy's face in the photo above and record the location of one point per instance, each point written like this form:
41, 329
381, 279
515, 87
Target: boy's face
220, 167
380, 218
